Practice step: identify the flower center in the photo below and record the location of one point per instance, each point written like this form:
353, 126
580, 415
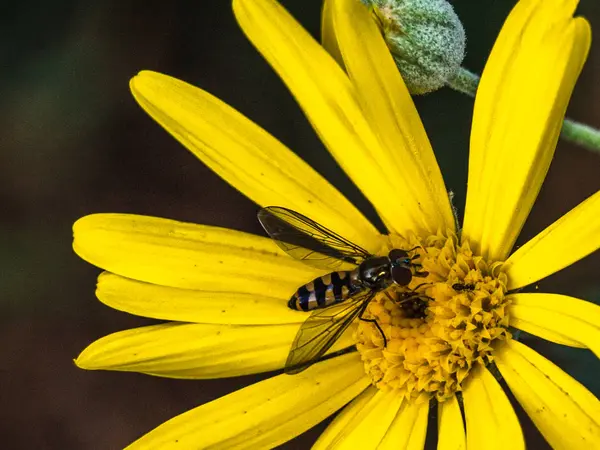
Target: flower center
438, 327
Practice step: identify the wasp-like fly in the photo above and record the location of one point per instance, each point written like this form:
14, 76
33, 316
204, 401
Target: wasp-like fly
341, 296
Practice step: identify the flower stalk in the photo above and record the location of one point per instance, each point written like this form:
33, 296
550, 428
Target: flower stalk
586, 136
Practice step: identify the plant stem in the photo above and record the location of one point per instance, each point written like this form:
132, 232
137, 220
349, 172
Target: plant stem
465, 81
584, 135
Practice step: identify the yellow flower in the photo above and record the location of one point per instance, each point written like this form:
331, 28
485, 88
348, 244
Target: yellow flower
226, 291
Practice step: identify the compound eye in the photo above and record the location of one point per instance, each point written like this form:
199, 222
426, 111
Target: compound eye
398, 256
401, 275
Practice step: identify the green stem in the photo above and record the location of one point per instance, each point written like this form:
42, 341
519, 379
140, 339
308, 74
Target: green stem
584, 135
465, 81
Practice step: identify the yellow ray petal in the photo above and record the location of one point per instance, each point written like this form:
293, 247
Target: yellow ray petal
491, 420
248, 157
265, 414
328, 38
571, 319
543, 332
377, 419
180, 350
519, 108
189, 256
409, 428
564, 411
572, 237
451, 429
192, 350
349, 414
328, 99
363, 423
405, 156
186, 305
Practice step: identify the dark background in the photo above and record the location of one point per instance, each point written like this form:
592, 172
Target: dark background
74, 142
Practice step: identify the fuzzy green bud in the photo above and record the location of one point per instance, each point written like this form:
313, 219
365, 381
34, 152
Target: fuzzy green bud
426, 39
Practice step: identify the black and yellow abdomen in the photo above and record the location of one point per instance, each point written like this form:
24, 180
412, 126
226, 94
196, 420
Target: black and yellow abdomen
323, 291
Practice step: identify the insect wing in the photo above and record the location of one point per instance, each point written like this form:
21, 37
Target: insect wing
320, 331
305, 240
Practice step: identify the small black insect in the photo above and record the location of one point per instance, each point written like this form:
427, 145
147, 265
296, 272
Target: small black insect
341, 296
458, 287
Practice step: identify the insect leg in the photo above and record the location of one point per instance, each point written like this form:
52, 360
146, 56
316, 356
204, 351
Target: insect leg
411, 295
414, 297
389, 296
374, 321
418, 267
413, 249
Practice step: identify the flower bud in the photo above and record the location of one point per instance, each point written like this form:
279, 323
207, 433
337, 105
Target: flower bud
426, 39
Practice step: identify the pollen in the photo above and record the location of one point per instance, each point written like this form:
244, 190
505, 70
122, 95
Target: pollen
440, 326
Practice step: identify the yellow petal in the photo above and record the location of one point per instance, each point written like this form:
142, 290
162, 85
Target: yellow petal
405, 156
543, 332
564, 411
192, 350
491, 420
328, 38
246, 156
377, 419
519, 108
265, 414
350, 414
328, 99
409, 428
179, 350
190, 256
363, 423
451, 429
573, 320
186, 305
569, 239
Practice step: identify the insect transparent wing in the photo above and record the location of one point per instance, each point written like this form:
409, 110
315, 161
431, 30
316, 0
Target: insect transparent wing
322, 329
304, 239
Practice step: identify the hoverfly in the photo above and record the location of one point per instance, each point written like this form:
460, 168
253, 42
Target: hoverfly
338, 298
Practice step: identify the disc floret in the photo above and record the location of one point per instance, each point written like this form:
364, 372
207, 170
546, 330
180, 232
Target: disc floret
439, 327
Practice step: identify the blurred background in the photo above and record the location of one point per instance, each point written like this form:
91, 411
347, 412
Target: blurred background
74, 142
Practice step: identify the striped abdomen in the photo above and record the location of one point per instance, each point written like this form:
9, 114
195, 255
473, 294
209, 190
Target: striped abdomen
323, 291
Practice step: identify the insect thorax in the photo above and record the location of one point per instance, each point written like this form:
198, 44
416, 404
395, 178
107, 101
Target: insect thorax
374, 273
